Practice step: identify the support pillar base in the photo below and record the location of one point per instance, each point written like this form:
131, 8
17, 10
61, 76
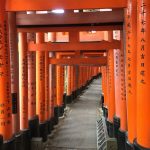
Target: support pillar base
34, 127
44, 130
37, 144
80, 90
116, 126
18, 141
64, 100
129, 146
138, 147
105, 112
73, 95
1, 142
26, 139
69, 99
50, 126
56, 115
61, 111
110, 128
121, 140
102, 101
9, 145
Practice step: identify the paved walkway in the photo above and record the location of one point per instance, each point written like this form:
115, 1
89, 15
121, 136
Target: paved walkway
78, 130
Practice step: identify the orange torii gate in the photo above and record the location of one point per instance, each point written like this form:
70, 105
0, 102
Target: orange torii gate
24, 5
42, 49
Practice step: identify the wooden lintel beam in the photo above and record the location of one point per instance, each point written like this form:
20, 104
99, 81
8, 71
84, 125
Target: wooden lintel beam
79, 61
93, 55
69, 29
115, 16
76, 54
81, 46
32, 5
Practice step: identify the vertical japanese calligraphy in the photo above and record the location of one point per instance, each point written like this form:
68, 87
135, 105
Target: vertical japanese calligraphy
40, 80
143, 73
14, 68
131, 67
5, 99
23, 81
31, 56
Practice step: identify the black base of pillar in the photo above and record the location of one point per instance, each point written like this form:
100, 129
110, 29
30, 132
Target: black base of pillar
105, 112
1, 142
26, 140
69, 99
44, 130
110, 129
50, 126
129, 146
84, 87
77, 93
138, 147
53, 122
116, 126
34, 127
121, 140
102, 100
64, 100
80, 90
61, 111
9, 145
73, 95
18, 141
56, 115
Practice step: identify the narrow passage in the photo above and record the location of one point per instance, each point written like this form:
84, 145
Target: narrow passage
77, 131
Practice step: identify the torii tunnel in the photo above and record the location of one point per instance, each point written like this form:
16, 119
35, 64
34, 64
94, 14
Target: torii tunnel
74, 75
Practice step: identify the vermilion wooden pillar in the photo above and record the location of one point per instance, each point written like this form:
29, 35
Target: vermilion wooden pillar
14, 64
123, 107
56, 114
51, 94
77, 79
33, 118
69, 92
131, 54
117, 69
47, 114
74, 83
40, 88
111, 88
59, 85
63, 92
143, 74
23, 89
117, 73
5, 92
104, 90
23, 80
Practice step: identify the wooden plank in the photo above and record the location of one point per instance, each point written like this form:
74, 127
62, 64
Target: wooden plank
114, 16
88, 46
79, 61
70, 28
33, 5
74, 54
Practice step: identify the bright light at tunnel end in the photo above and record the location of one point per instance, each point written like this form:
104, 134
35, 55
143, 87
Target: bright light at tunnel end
58, 11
